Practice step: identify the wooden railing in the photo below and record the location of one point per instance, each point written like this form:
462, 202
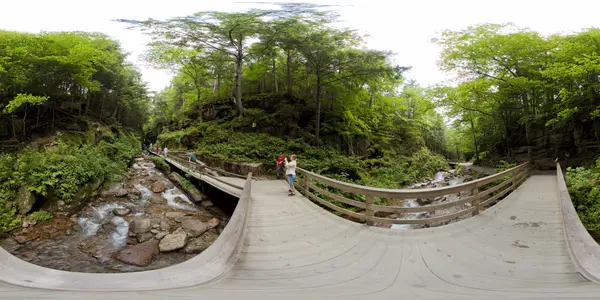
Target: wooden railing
482, 193
194, 169
181, 154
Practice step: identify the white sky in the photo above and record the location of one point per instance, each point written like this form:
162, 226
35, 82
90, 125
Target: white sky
404, 27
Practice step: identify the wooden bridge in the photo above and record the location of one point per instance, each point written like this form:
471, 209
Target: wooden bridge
518, 237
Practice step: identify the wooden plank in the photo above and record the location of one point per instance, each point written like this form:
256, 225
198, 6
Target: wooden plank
410, 193
338, 197
494, 198
426, 220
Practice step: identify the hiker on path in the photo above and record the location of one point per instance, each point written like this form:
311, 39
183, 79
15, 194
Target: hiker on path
166, 150
290, 172
158, 150
192, 157
280, 160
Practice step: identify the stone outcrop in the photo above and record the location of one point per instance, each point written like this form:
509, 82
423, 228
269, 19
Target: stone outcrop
140, 225
200, 244
25, 200
140, 254
173, 241
159, 186
54, 204
194, 228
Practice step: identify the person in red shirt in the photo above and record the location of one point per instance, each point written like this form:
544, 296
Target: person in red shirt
280, 160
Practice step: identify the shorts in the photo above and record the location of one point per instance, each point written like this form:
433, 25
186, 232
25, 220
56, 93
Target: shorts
291, 178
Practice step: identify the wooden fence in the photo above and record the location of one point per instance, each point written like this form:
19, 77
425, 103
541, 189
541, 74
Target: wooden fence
482, 193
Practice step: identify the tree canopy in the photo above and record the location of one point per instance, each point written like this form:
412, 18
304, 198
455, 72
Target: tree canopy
62, 74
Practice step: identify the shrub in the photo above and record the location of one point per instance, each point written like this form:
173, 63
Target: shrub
160, 163
41, 216
63, 169
584, 188
504, 165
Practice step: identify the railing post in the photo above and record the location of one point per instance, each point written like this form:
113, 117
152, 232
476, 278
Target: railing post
514, 181
305, 184
369, 210
476, 202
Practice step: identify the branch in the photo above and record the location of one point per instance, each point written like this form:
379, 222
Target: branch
231, 37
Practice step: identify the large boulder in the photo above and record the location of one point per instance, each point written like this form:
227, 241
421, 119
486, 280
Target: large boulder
214, 222
157, 199
25, 200
140, 254
174, 177
54, 204
173, 241
159, 186
164, 225
194, 194
140, 225
121, 193
176, 215
200, 244
207, 203
194, 228
121, 212
142, 237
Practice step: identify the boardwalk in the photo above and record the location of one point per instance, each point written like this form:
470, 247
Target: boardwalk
294, 249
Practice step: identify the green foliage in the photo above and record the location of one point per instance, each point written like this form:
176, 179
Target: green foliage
64, 71
584, 188
41, 216
62, 170
160, 163
504, 165
186, 184
23, 100
518, 87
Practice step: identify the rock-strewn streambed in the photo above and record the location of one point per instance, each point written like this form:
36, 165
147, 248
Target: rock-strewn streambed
441, 179
145, 222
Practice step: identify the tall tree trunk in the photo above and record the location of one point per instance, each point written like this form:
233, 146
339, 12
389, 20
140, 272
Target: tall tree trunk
114, 114
238, 83
87, 105
474, 139
25, 121
275, 76
318, 129
53, 113
102, 106
289, 73
14, 127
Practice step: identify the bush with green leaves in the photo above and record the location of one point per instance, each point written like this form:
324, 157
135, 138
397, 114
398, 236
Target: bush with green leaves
41, 216
504, 165
584, 188
160, 163
392, 170
63, 169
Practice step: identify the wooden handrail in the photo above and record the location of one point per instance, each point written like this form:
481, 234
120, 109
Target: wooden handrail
409, 193
478, 199
583, 249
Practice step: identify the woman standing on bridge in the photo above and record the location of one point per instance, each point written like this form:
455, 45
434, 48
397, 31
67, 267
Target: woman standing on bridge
290, 172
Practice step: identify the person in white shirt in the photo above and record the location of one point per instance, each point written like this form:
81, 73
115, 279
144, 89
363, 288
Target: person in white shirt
290, 172
165, 151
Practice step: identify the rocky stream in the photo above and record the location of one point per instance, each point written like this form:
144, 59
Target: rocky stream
144, 222
441, 179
